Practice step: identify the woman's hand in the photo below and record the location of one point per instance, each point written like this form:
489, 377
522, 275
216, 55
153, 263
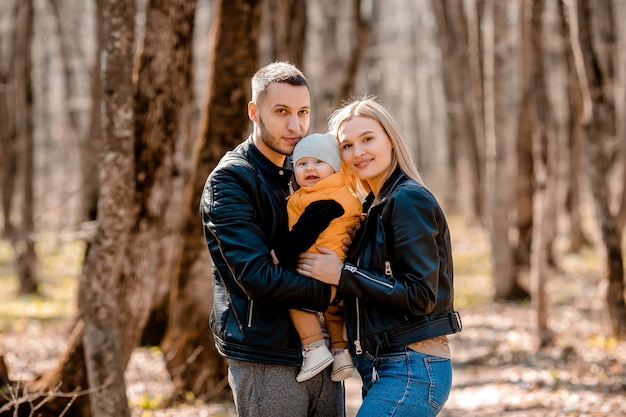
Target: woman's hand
324, 266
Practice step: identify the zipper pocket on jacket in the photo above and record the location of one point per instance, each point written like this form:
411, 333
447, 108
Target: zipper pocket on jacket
355, 270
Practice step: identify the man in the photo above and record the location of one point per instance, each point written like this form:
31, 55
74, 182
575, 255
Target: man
244, 214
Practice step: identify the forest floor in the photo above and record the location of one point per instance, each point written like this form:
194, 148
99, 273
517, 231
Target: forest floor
498, 368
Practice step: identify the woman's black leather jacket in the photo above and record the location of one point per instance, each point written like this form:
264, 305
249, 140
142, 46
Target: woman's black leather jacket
397, 282
244, 214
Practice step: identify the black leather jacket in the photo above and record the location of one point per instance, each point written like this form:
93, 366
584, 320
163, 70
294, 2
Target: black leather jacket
244, 214
397, 282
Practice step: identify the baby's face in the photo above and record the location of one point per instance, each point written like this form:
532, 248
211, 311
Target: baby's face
309, 171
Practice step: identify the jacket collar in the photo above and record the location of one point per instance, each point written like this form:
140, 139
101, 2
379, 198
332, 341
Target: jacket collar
261, 162
390, 184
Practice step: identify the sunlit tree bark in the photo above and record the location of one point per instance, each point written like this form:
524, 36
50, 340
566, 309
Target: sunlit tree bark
163, 77
99, 290
188, 346
163, 80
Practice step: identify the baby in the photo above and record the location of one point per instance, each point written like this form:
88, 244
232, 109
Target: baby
320, 213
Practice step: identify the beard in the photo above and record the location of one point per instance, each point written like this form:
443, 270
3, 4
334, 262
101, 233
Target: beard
271, 142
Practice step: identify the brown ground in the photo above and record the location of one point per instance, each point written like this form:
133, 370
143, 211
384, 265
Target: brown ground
497, 368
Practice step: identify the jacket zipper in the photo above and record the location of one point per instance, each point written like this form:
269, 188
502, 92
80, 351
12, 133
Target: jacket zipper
250, 313
354, 270
357, 341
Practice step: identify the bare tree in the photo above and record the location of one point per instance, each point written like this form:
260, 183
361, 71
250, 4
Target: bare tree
99, 290
163, 85
597, 44
361, 28
545, 169
23, 242
90, 144
8, 137
287, 21
524, 165
573, 132
499, 203
136, 178
188, 346
330, 44
454, 43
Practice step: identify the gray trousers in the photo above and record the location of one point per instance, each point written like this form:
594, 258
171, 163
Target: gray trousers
262, 390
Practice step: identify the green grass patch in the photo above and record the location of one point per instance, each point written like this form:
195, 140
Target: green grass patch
59, 267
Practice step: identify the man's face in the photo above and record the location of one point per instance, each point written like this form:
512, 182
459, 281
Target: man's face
281, 118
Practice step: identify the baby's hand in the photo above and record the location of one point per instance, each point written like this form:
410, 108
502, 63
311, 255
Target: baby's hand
274, 258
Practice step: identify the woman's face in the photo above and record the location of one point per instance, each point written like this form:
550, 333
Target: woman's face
366, 150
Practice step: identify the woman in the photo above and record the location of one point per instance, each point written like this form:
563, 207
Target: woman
397, 282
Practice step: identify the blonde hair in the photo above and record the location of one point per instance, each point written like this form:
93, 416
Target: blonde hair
402, 156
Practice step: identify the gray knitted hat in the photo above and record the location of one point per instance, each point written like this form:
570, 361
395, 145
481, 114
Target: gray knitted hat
322, 146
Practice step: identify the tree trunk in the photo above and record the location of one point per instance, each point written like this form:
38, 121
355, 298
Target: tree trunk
68, 378
598, 79
23, 243
524, 183
91, 144
164, 79
573, 133
288, 23
453, 39
544, 160
524, 165
188, 346
99, 291
498, 175
8, 155
163, 83
328, 50
346, 89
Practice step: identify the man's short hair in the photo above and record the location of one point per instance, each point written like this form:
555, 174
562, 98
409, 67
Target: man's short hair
276, 72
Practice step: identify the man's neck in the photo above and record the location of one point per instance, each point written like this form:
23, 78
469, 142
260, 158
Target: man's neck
276, 158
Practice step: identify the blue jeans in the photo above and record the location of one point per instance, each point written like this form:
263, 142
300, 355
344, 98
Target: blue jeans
409, 383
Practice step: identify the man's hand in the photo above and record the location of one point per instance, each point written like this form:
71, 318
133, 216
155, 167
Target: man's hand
348, 241
351, 232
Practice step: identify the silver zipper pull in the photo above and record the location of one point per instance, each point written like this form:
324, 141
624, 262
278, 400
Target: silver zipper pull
374, 374
388, 269
357, 344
